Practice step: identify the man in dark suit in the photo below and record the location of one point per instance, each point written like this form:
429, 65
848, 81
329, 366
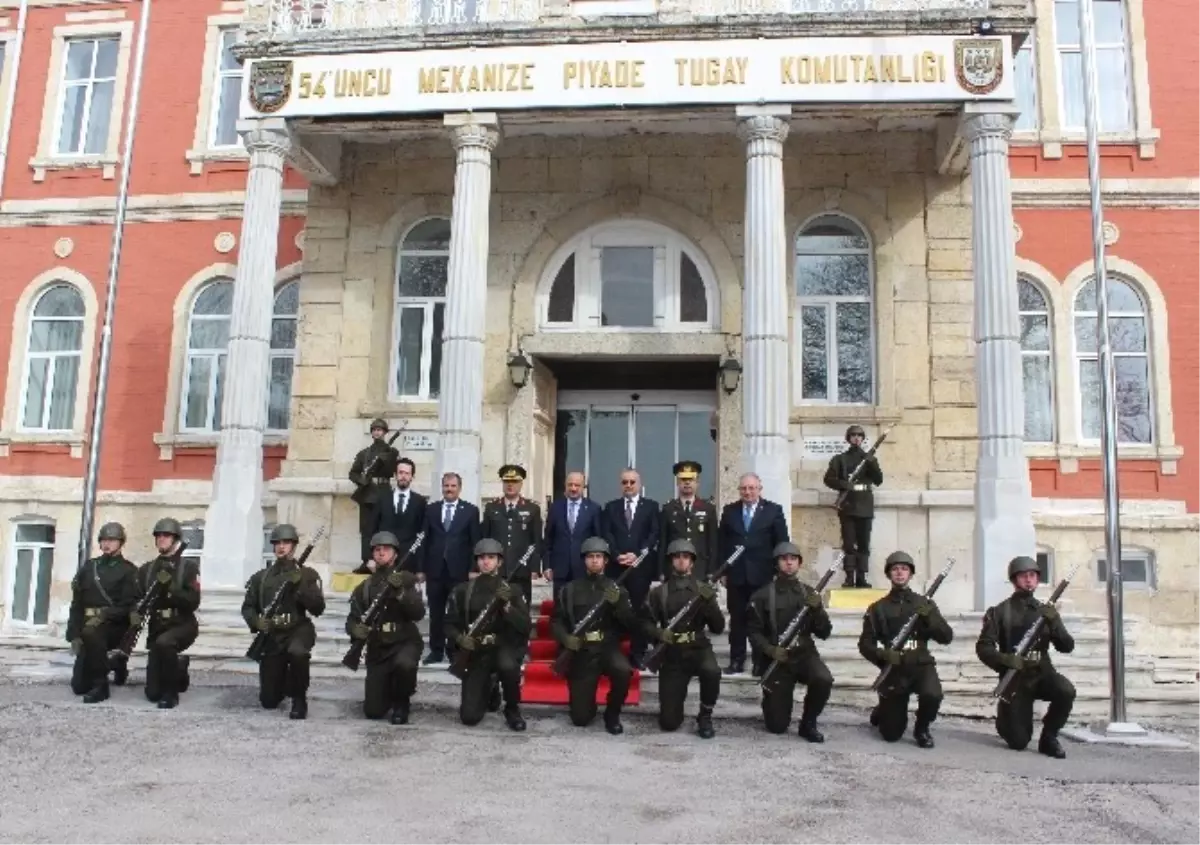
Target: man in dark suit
517, 523
759, 525
632, 525
402, 512
690, 518
569, 522
451, 532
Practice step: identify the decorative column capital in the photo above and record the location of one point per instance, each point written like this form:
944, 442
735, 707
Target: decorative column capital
762, 127
268, 135
992, 124
478, 135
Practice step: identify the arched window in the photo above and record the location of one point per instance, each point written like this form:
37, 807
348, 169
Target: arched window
283, 356
207, 347
421, 274
629, 276
52, 359
1128, 332
835, 346
1037, 362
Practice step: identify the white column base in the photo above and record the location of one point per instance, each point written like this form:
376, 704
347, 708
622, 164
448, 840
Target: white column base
1003, 524
234, 519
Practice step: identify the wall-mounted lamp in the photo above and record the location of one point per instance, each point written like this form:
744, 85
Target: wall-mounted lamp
731, 375
518, 370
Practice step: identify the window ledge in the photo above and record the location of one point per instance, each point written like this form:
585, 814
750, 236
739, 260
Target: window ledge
198, 158
168, 443
869, 414
42, 438
107, 164
1053, 142
1068, 455
420, 408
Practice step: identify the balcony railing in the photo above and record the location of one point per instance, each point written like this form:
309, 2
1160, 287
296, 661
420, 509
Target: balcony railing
711, 8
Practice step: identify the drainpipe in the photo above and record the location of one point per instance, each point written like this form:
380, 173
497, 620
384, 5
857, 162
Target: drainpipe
10, 99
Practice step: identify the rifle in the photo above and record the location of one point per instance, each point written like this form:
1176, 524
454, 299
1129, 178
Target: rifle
259, 645
842, 495
793, 629
143, 610
901, 638
462, 657
685, 614
562, 663
1031, 635
370, 468
353, 654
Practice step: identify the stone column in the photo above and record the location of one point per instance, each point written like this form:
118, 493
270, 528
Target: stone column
233, 543
1003, 499
766, 391
460, 407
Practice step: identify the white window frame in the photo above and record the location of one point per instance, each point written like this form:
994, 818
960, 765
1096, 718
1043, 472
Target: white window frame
1048, 354
1074, 49
65, 85
220, 74
1029, 48
30, 356
1128, 554
193, 553
830, 303
208, 103
11, 579
428, 304
277, 354
215, 355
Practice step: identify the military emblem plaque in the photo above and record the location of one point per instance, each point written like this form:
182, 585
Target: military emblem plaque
270, 85
979, 64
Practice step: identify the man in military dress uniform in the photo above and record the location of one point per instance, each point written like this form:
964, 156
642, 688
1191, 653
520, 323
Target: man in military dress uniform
517, 523
857, 513
689, 652
103, 593
394, 643
172, 626
1003, 628
372, 473
772, 609
290, 634
597, 651
914, 669
690, 518
497, 647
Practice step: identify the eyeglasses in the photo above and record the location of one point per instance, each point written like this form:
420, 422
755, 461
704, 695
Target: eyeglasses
628, 482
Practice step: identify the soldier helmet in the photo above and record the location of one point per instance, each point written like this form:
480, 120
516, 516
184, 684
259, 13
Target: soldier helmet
899, 559
681, 547
1024, 563
380, 424
784, 549
488, 546
855, 431
385, 538
594, 544
166, 525
284, 532
112, 531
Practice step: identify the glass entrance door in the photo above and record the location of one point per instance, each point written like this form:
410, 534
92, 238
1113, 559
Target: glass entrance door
601, 433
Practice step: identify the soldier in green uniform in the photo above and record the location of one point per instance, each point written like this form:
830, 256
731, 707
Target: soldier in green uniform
689, 652
497, 647
517, 523
394, 643
103, 593
171, 623
598, 650
372, 473
772, 609
914, 669
857, 513
283, 670
1003, 628
690, 518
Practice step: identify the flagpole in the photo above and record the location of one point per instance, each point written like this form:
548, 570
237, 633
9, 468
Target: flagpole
96, 436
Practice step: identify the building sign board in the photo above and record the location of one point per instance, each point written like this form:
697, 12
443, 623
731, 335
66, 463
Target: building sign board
822, 448
899, 69
419, 442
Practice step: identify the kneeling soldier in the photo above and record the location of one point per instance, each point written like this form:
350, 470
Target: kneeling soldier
597, 651
394, 644
291, 635
1003, 628
172, 626
772, 609
497, 647
103, 593
689, 652
913, 667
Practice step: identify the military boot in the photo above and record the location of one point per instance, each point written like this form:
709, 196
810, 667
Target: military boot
299, 708
512, 717
807, 729
922, 735
97, 693
874, 718
860, 581
169, 701
185, 679
612, 721
495, 700
704, 723
120, 670
400, 713
1051, 747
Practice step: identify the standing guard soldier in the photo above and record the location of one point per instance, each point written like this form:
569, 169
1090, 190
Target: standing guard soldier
1003, 628
283, 670
690, 518
598, 651
394, 644
857, 512
913, 667
517, 523
772, 609
103, 593
689, 652
372, 473
496, 648
172, 626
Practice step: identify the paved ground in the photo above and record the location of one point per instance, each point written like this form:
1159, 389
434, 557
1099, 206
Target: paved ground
218, 769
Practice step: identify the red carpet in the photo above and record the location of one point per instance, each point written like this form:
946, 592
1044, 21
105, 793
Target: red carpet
542, 686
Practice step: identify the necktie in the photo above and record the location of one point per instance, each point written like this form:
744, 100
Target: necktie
447, 515
747, 515
571, 513
629, 513
687, 508
511, 507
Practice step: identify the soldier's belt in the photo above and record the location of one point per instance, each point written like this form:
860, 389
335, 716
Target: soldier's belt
913, 645
593, 637
89, 612
381, 481
282, 620
861, 488
685, 638
486, 639
388, 627
1033, 655
166, 613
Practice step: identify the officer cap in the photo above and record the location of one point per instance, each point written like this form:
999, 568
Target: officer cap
488, 546
284, 532
166, 525
380, 424
787, 549
687, 470
681, 547
385, 538
512, 472
112, 531
899, 559
1024, 563
853, 431
594, 544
